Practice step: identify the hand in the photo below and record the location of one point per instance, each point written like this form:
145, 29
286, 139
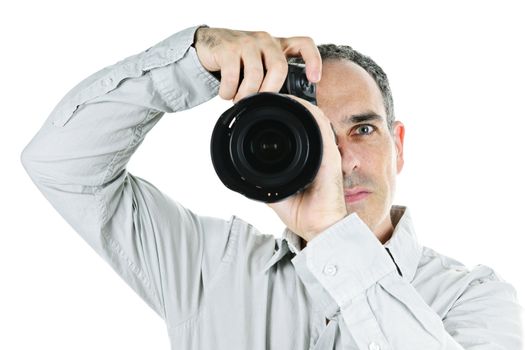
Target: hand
230, 50
322, 203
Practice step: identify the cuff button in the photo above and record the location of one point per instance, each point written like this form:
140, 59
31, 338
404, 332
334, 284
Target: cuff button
374, 346
330, 270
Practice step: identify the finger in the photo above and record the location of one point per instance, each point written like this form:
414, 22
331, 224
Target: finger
253, 73
306, 48
282, 206
326, 127
276, 70
230, 71
305, 103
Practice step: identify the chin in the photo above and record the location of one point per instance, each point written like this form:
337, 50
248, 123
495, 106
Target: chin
360, 211
365, 215
359, 207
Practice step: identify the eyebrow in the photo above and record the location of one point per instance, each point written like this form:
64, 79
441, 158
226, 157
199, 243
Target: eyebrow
363, 117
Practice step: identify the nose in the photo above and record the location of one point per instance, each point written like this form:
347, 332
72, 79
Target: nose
350, 161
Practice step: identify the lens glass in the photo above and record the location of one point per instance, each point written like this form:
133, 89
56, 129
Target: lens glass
269, 146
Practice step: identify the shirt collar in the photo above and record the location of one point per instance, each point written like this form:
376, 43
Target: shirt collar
403, 245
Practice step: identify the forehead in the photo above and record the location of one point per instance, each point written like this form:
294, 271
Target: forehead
347, 89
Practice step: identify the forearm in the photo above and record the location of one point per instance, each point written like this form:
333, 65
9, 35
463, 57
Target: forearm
349, 274
98, 125
78, 159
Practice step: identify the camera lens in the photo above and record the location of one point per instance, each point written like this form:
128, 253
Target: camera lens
269, 147
266, 147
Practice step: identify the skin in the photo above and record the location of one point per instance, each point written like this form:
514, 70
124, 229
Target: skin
371, 154
367, 154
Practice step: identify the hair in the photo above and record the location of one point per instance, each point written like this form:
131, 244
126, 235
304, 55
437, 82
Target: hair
345, 52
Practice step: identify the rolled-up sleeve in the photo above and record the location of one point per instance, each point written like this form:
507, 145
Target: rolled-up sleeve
78, 158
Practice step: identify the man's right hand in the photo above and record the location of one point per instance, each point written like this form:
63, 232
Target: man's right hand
229, 51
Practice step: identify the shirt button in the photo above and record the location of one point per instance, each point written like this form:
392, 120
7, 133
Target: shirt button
330, 270
107, 82
374, 346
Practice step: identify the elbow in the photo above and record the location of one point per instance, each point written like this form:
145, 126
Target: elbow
25, 158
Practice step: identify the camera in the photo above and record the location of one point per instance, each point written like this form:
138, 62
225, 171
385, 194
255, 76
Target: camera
268, 146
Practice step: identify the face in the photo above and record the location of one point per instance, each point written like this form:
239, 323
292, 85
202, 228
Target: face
371, 154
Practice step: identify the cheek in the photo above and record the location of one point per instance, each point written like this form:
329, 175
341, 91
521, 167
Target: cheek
377, 160
381, 165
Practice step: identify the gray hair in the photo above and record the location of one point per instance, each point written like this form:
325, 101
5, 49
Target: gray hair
345, 52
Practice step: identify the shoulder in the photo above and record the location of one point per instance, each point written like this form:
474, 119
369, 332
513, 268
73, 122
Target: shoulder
443, 281
435, 262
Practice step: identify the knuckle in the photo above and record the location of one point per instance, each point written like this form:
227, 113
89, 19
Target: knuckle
250, 86
231, 49
255, 72
262, 34
307, 40
245, 40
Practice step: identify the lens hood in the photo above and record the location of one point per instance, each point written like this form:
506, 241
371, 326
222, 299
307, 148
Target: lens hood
267, 147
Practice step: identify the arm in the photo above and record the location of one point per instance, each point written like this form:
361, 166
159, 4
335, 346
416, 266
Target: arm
383, 311
165, 252
78, 161
345, 268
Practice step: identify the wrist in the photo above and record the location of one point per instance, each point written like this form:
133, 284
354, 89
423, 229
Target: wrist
311, 234
196, 35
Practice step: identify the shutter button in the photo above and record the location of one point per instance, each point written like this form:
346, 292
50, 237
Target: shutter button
330, 270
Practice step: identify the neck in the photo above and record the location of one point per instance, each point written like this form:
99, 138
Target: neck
384, 230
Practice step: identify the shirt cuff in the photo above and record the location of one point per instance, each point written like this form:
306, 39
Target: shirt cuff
345, 259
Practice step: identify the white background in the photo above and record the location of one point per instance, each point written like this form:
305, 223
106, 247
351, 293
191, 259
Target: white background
456, 70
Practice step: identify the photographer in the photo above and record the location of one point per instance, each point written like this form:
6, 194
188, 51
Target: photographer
348, 272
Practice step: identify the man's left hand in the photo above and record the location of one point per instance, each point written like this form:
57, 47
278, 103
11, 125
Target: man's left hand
322, 203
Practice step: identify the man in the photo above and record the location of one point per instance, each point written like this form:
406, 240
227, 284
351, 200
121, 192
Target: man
348, 273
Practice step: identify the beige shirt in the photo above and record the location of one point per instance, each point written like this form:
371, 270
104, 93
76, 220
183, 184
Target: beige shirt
221, 284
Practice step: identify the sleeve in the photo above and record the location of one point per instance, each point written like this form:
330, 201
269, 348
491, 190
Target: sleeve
164, 251
347, 266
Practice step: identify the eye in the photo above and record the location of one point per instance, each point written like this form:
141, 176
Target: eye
364, 129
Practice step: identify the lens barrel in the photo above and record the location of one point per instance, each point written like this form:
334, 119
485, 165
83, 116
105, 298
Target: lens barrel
267, 147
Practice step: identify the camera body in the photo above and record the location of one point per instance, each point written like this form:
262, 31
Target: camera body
297, 83
268, 146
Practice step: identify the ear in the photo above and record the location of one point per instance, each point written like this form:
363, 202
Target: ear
399, 138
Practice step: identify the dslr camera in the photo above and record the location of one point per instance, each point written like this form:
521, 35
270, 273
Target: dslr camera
268, 146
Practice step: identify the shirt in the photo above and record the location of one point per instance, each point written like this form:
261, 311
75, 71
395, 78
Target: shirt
221, 284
